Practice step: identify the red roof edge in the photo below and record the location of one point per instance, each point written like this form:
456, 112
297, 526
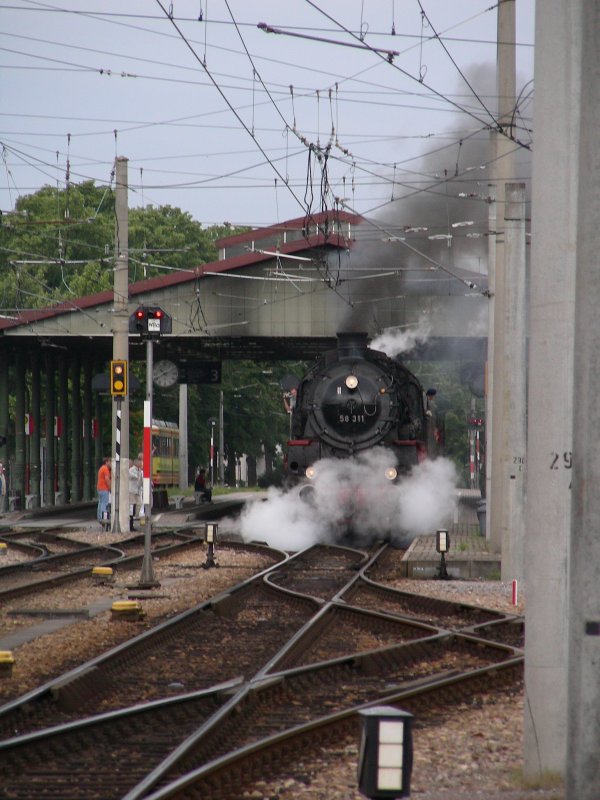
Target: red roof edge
291, 224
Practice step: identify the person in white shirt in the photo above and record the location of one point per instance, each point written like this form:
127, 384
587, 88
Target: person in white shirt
3, 490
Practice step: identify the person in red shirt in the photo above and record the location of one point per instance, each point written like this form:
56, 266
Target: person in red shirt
103, 487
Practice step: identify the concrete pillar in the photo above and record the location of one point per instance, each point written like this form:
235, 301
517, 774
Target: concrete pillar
502, 167
63, 441
76, 426
515, 382
551, 350
50, 414
489, 396
35, 425
583, 732
121, 337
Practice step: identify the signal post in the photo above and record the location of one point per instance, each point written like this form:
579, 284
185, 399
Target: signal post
150, 322
118, 390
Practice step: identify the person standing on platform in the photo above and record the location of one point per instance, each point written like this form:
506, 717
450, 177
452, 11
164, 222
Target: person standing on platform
103, 488
141, 510
136, 478
3, 490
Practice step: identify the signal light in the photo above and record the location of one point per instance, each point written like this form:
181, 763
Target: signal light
118, 378
137, 321
150, 321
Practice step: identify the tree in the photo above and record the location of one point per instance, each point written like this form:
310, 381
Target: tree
59, 244
454, 406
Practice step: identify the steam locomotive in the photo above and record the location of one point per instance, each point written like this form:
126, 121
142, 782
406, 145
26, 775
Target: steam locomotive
355, 399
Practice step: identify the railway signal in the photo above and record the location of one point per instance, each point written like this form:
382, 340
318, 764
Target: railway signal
118, 378
150, 321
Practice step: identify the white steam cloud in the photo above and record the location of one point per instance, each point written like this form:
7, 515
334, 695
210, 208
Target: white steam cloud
354, 492
393, 341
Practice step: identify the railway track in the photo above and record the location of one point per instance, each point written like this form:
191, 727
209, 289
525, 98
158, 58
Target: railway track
49, 569
279, 664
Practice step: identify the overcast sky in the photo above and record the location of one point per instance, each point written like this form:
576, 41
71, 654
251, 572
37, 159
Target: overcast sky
232, 123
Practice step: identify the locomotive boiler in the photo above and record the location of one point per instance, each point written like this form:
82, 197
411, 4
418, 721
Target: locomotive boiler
355, 399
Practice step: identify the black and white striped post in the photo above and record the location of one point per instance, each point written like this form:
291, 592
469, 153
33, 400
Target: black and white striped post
118, 390
117, 481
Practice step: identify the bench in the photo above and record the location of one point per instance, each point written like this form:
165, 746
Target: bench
59, 498
178, 499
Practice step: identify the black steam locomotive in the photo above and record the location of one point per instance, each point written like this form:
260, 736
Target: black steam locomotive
355, 399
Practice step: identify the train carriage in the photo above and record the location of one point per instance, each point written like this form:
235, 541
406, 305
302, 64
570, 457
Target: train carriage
165, 453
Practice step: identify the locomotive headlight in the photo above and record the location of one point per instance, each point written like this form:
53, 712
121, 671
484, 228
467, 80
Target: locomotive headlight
351, 381
391, 473
310, 473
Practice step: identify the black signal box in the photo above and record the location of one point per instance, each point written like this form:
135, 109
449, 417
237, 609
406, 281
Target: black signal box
150, 321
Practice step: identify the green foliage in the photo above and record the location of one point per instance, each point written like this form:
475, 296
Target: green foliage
52, 229
48, 230
253, 413
166, 236
455, 404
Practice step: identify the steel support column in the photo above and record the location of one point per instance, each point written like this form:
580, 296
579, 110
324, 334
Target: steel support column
35, 434
50, 413
88, 463
4, 410
63, 441
18, 477
98, 441
76, 424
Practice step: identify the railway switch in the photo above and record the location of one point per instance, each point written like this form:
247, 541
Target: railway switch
127, 609
7, 663
103, 575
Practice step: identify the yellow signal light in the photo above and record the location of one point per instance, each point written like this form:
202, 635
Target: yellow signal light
118, 378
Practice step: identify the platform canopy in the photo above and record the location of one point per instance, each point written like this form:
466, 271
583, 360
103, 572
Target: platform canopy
284, 292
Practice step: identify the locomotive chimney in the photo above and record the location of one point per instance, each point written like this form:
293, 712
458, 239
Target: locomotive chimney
351, 344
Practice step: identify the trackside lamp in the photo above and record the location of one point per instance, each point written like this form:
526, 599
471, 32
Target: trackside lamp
385, 752
211, 530
442, 541
442, 545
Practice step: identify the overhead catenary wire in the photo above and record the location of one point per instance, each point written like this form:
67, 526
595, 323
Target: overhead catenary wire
232, 109
494, 123
360, 187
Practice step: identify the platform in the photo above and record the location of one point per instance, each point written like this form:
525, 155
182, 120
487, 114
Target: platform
468, 558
